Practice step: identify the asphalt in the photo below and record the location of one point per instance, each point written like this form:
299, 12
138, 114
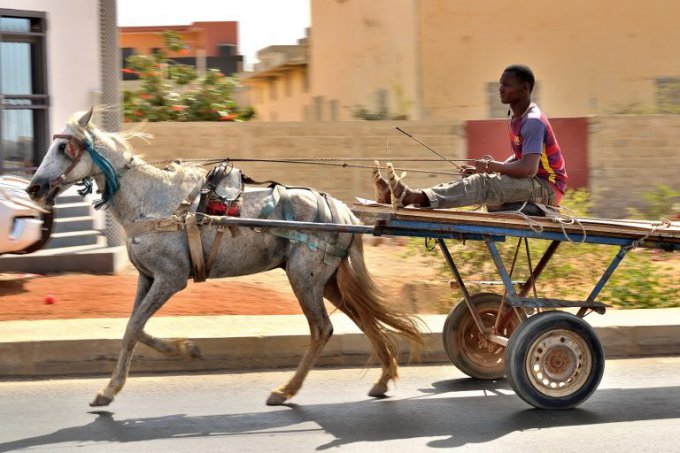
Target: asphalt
91, 346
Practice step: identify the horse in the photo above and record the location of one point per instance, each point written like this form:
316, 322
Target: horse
138, 193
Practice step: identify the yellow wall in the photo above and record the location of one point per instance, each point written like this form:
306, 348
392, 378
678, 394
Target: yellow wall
360, 47
629, 155
435, 59
589, 56
290, 99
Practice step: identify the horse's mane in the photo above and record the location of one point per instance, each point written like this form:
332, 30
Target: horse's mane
120, 141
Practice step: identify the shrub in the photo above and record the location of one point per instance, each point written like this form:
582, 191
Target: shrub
170, 91
644, 279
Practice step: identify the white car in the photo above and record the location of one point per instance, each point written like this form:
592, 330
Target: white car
24, 226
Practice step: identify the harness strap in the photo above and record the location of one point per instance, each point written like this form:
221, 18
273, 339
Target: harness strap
140, 227
195, 249
313, 241
271, 204
184, 206
212, 255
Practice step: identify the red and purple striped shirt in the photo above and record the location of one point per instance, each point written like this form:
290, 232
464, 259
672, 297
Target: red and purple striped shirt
532, 133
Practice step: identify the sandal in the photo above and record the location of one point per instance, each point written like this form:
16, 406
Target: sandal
396, 187
382, 188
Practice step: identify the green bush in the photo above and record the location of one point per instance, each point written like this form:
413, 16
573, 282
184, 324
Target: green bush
170, 91
644, 279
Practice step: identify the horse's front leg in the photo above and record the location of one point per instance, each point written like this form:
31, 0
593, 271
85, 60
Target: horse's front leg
159, 291
175, 347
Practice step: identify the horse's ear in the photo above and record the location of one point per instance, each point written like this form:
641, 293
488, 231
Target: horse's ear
85, 119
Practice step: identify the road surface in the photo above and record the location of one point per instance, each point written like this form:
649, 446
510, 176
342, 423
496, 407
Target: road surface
636, 409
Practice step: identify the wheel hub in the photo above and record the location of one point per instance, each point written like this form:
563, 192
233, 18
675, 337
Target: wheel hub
558, 363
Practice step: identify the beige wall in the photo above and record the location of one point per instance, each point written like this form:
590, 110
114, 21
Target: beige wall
308, 140
73, 54
590, 56
629, 155
358, 48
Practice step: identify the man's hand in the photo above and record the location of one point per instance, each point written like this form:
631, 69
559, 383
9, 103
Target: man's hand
467, 170
482, 165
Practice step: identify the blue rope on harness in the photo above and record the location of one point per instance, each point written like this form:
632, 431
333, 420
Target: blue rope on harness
111, 185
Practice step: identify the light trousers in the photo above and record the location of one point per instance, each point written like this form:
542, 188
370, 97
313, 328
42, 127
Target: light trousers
491, 189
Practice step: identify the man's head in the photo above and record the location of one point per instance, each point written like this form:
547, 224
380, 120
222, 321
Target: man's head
517, 82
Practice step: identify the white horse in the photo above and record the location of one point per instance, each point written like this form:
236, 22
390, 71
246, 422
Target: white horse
139, 193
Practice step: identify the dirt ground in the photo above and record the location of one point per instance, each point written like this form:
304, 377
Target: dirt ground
111, 296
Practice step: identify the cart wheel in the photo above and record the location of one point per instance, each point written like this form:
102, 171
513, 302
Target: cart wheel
465, 344
554, 360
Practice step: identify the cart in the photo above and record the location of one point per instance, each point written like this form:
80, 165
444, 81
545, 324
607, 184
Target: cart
552, 358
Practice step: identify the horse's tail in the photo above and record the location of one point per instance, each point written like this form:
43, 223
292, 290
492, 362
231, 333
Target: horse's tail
365, 304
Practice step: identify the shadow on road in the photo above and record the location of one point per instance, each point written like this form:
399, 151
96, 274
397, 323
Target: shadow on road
456, 420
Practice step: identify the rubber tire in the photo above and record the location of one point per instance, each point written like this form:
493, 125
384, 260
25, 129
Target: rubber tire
517, 351
459, 318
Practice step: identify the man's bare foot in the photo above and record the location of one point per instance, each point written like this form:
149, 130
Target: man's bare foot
401, 194
398, 190
382, 188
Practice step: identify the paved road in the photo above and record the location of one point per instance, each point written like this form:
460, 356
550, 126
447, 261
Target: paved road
636, 409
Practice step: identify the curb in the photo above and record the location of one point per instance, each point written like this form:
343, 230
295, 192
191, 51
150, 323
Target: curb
272, 342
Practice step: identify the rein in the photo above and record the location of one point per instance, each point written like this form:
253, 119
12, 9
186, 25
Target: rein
329, 162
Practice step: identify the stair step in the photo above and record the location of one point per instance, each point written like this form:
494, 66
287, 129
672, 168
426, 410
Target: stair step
101, 243
91, 259
72, 210
70, 198
69, 224
73, 239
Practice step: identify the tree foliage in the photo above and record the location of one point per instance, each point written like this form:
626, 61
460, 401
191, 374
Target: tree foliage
170, 91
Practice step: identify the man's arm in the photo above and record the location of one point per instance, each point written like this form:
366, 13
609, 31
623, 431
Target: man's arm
526, 167
533, 132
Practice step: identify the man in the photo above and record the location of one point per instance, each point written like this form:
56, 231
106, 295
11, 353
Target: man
534, 173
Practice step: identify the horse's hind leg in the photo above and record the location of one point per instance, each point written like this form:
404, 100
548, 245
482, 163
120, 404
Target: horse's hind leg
160, 290
382, 351
309, 291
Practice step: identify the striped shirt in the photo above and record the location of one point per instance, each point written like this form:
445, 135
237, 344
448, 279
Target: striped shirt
532, 133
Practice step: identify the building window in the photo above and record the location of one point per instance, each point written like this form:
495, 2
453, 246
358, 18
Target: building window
272, 89
288, 84
333, 109
317, 107
305, 80
127, 73
24, 129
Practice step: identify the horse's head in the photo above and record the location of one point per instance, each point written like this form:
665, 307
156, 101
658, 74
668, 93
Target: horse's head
66, 161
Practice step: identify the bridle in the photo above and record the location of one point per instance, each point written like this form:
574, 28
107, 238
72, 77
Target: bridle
77, 153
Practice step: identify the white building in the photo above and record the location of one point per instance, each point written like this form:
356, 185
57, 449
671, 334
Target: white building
56, 57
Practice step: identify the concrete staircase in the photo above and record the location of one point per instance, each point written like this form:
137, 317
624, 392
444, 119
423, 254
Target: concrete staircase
76, 244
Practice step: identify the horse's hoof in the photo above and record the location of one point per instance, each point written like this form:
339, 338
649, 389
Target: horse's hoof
101, 400
378, 391
276, 399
